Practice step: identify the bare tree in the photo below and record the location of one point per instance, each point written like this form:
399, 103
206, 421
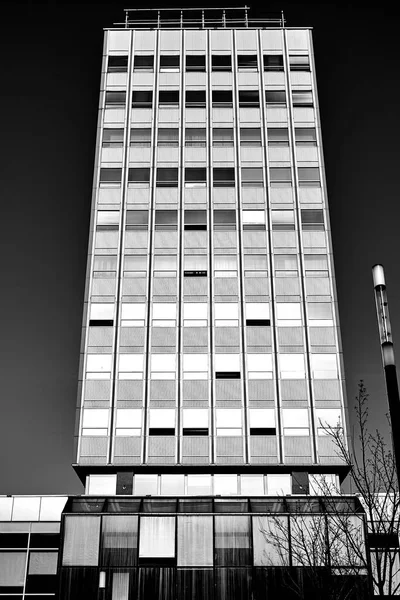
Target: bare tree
329, 543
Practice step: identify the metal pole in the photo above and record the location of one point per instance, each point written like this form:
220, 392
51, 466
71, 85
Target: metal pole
389, 364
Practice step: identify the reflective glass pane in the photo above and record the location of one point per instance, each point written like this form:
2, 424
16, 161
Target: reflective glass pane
195, 541
157, 537
232, 540
270, 541
81, 541
119, 540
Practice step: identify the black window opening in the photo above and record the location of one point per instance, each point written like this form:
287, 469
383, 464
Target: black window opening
224, 220
167, 177
139, 175
312, 220
195, 137
143, 62
142, 99
195, 62
141, 137
273, 62
195, 220
115, 99
247, 61
221, 98
252, 176
265, 431
13, 540
258, 323
195, 177
101, 323
169, 62
198, 432
305, 136
117, 64
250, 136
223, 137
160, 431
168, 137
302, 98
299, 62
249, 98
166, 220
168, 98
137, 220
110, 175
275, 97
113, 138
383, 540
196, 99
224, 177
227, 375
277, 136
221, 62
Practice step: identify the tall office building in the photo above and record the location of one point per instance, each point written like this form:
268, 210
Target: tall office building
211, 355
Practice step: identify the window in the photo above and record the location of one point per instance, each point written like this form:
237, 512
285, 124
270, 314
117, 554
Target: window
276, 97
195, 137
309, 177
12, 571
247, 61
142, 99
115, 99
286, 265
221, 98
225, 265
255, 265
112, 176
252, 485
99, 485
119, 540
167, 177
98, 366
249, 98
316, 265
169, 62
250, 136
257, 314
168, 97
81, 541
320, 314
135, 266
157, 537
280, 176
222, 137
198, 485
139, 176
168, 137
104, 266
288, 314
273, 62
137, 220
302, 98
95, 421
221, 62
224, 220
312, 220
195, 177
328, 418
195, 220
143, 62
107, 220
140, 137
306, 136
42, 563
101, 314
295, 421
324, 366
262, 421
252, 177
146, 485
224, 177
232, 541
163, 366
117, 64
225, 485
165, 265
259, 366
131, 366
227, 366
292, 366
166, 220
195, 62
195, 366
277, 136
226, 314
253, 220
172, 485
164, 314
320, 484
279, 485
299, 62
162, 420
195, 541
195, 265
267, 531
282, 220
229, 422
195, 314
133, 315
195, 99
195, 420
113, 138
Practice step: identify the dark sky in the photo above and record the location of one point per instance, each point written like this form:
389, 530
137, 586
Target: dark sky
50, 74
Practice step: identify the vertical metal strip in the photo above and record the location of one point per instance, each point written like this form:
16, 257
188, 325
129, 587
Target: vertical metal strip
236, 116
300, 241
270, 253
